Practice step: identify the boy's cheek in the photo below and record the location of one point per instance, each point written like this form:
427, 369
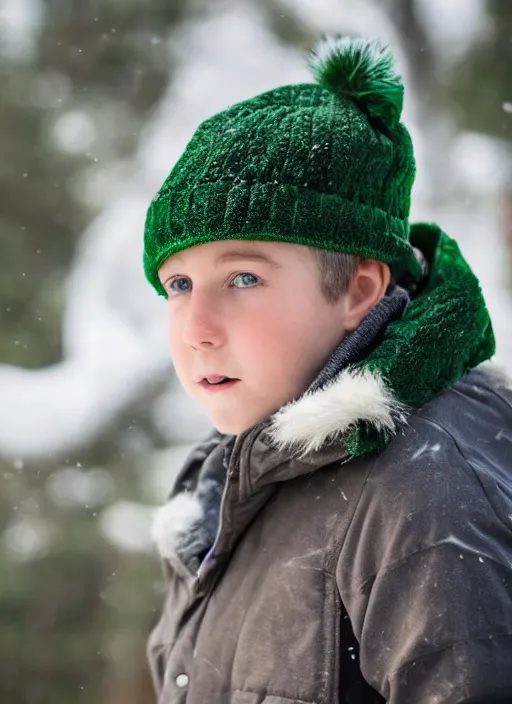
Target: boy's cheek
176, 347
181, 368
183, 376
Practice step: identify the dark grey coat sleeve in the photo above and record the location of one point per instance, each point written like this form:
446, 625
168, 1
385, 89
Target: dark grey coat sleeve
425, 574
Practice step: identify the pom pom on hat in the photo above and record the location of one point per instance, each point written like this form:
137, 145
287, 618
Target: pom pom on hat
362, 71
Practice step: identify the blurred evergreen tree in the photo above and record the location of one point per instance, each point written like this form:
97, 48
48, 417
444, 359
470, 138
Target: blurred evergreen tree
74, 613
481, 83
90, 55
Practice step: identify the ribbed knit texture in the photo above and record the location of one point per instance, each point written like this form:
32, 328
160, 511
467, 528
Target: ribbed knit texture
301, 163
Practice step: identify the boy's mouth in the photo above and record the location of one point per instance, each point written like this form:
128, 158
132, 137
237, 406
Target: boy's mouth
217, 382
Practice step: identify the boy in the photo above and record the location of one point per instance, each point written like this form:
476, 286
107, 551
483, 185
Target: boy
345, 533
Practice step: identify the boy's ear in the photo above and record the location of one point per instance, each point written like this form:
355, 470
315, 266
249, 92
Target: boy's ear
368, 285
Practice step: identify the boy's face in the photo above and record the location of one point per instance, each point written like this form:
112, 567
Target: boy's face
251, 312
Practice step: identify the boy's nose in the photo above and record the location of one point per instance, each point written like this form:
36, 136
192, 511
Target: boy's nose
202, 326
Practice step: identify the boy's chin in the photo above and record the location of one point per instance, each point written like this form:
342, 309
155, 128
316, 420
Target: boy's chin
236, 424
230, 427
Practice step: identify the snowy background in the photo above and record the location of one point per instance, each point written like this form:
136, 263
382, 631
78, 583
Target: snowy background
97, 101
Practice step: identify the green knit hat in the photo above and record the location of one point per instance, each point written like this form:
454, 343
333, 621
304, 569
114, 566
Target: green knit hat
326, 164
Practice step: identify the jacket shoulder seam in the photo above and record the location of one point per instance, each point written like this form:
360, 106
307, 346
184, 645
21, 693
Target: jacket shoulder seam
499, 396
466, 641
470, 466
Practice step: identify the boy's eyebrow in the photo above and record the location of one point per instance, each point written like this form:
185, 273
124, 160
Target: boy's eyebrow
237, 254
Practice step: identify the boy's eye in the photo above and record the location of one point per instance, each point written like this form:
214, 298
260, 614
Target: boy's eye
180, 285
245, 280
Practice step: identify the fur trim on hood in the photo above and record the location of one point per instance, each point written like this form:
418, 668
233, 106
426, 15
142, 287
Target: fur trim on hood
357, 395
174, 520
